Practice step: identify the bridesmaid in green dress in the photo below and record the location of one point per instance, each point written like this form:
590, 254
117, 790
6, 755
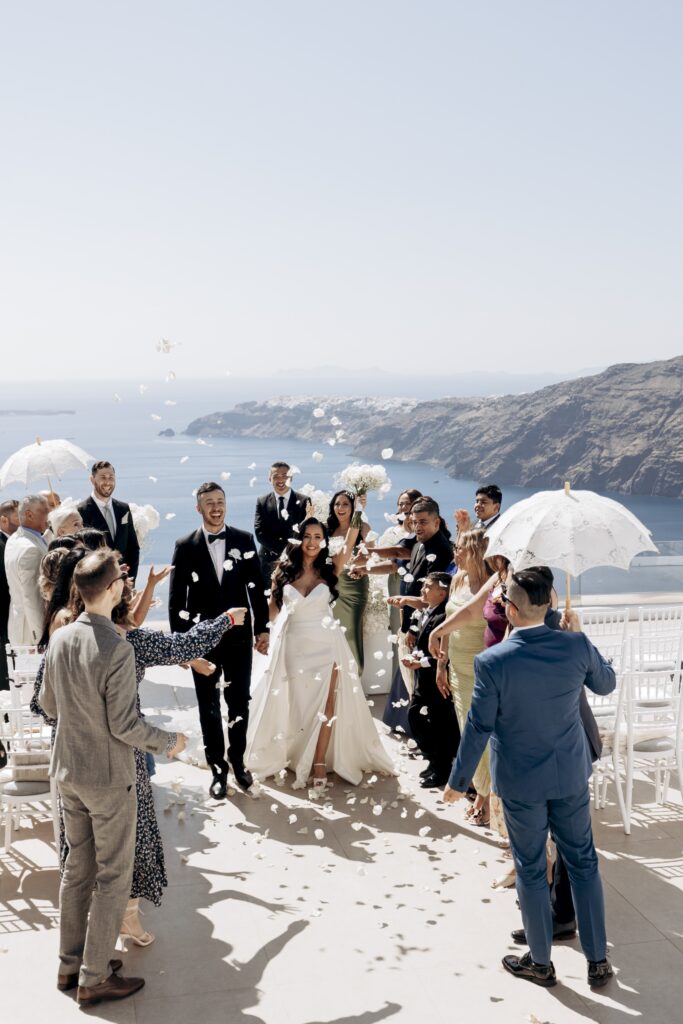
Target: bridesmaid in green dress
347, 531
463, 644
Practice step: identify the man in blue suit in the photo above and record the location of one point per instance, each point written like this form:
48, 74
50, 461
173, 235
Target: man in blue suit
526, 702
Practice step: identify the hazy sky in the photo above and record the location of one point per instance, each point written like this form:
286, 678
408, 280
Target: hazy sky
301, 182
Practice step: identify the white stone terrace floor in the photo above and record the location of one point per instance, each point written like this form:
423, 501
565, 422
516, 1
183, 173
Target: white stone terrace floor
281, 911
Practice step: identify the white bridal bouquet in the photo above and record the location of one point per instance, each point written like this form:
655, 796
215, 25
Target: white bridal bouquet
361, 479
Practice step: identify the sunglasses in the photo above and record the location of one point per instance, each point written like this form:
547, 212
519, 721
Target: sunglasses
123, 576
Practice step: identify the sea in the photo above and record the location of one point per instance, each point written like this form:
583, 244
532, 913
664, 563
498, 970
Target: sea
121, 420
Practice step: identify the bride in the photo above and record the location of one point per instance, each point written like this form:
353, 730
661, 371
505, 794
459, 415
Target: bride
309, 709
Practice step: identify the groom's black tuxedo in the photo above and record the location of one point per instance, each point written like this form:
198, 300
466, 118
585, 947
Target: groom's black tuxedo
125, 541
196, 592
273, 530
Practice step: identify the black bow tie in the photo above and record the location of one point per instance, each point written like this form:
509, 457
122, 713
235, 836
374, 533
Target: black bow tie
216, 536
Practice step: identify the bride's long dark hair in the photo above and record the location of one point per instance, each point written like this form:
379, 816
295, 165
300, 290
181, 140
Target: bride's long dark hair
290, 565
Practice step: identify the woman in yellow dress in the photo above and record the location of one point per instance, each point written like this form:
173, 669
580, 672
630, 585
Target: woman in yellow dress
460, 649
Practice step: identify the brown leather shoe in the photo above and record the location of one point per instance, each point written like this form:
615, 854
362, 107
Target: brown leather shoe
65, 982
115, 987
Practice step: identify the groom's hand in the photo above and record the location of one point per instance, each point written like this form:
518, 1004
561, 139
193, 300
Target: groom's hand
261, 643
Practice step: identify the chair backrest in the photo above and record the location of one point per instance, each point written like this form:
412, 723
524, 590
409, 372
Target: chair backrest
655, 651
607, 623
23, 661
663, 618
649, 700
615, 651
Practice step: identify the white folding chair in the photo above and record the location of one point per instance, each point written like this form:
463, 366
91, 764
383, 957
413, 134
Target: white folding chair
604, 709
657, 651
606, 624
25, 782
665, 618
646, 733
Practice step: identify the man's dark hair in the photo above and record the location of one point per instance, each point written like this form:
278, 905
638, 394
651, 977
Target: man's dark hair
280, 465
444, 579
536, 582
425, 505
90, 538
8, 506
207, 487
102, 464
491, 491
95, 572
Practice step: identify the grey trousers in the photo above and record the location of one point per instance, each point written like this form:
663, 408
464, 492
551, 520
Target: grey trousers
100, 833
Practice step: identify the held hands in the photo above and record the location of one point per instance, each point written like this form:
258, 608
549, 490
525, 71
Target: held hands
360, 503
451, 796
411, 663
238, 615
261, 643
442, 681
435, 644
181, 743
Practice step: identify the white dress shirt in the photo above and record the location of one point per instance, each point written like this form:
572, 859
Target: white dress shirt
217, 551
286, 496
102, 505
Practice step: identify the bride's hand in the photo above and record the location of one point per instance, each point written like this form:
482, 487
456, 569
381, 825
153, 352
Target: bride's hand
202, 667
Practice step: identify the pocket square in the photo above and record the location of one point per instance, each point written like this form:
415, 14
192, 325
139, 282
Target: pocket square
125, 519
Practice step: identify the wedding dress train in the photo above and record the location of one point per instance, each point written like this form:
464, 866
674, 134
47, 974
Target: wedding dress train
288, 701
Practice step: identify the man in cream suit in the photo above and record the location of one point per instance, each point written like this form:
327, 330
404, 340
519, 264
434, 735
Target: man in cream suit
89, 687
23, 554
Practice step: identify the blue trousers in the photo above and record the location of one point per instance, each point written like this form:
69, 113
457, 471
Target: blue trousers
569, 821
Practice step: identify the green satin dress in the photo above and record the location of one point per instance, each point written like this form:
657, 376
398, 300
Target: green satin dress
463, 645
349, 609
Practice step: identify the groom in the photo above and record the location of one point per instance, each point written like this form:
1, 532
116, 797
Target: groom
216, 568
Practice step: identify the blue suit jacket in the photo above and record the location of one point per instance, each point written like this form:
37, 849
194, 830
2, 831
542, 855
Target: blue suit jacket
526, 701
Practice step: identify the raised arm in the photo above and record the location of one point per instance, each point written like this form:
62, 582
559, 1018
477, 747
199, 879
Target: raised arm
470, 612
154, 647
142, 601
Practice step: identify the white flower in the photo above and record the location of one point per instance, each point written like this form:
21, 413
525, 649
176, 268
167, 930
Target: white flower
335, 421
184, 459
320, 501
235, 553
317, 456
170, 515
387, 453
318, 413
361, 479
225, 476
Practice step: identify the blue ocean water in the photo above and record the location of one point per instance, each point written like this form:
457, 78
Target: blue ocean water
124, 429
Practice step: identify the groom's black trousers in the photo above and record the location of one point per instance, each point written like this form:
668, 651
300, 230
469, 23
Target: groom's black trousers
233, 666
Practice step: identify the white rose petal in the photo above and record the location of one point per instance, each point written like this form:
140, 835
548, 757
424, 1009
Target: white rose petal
387, 453
249, 554
225, 476
195, 577
154, 416
228, 564
319, 834
185, 458
424, 831
183, 614
153, 479
252, 481
170, 515
317, 456
318, 413
424, 710
431, 558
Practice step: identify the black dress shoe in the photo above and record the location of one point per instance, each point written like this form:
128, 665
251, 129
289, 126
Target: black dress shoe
560, 932
65, 982
243, 777
599, 973
433, 781
426, 771
115, 987
524, 967
217, 789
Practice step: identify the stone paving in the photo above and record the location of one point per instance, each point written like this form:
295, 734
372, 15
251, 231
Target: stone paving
372, 905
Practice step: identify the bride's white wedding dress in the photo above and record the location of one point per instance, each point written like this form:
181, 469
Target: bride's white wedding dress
288, 701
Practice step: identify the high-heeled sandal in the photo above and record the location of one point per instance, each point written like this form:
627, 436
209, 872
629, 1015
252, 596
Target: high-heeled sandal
317, 782
145, 939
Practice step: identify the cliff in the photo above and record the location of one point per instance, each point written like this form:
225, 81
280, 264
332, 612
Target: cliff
620, 430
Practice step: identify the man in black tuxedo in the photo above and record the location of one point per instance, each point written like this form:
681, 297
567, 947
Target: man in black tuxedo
278, 513
487, 502
216, 568
114, 518
9, 523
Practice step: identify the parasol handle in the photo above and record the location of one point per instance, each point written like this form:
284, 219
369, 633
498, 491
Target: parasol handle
568, 602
